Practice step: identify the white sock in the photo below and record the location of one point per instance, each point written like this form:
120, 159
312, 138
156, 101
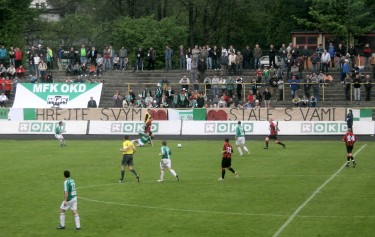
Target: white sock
239, 150
173, 172
62, 219
76, 219
161, 174
245, 148
61, 142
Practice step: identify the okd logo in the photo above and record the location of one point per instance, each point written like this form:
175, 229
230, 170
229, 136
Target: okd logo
39, 127
57, 100
132, 127
323, 128
227, 127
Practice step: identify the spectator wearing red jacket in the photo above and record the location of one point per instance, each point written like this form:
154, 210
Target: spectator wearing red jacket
7, 87
20, 71
367, 55
18, 57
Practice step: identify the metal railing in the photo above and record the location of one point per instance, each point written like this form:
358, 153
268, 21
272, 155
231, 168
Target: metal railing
248, 87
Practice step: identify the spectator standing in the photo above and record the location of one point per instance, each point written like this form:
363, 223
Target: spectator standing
267, 98
325, 60
118, 100
11, 56
347, 86
182, 57
367, 55
257, 53
123, 54
352, 54
239, 62
92, 103
340, 52
357, 87
368, 87
17, 57
306, 53
139, 54
283, 54
83, 54
168, 52
151, 58
3, 55
331, 51
272, 56
247, 54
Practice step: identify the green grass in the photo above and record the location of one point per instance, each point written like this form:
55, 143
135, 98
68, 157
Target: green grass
272, 185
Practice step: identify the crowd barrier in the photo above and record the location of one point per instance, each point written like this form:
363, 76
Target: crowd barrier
183, 127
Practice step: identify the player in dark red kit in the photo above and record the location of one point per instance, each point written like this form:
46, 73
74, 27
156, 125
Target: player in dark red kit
273, 134
349, 138
226, 162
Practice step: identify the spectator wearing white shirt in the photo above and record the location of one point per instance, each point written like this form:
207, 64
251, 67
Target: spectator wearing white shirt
325, 61
3, 99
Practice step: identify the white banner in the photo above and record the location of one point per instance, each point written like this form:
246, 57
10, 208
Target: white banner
324, 128
56, 95
41, 127
174, 114
285, 127
134, 127
223, 127
176, 127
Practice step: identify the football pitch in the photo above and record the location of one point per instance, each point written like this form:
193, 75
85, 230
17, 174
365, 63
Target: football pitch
303, 190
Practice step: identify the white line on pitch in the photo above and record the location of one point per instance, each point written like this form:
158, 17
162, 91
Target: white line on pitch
295, 213
178, 209
213, 212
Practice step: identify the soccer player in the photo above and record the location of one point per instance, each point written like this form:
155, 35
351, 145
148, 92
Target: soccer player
349, 119
128, 149
349, 138
70, 201
240, 139
226, 162
145, 139
58, 134
273, 134
166, 162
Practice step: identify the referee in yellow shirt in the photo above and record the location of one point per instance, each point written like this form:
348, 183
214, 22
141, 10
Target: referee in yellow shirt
128, 149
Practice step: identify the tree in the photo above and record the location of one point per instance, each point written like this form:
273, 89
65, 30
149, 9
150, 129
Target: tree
14, 17
147, 32
342, 18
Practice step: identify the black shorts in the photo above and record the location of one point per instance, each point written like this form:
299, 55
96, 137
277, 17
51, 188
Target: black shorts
127, 159
226, 162
349, 149
272, 137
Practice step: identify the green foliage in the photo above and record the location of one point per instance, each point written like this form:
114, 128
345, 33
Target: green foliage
147, 32
13, 19
342, 18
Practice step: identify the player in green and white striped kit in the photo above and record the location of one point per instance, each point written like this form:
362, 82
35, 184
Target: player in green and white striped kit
70, 201
58, 133
166, 162
145, 139
240, 139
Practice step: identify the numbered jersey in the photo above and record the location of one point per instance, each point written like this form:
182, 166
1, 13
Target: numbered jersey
70, 188
165, 152
227, 150
240, 132
349, 138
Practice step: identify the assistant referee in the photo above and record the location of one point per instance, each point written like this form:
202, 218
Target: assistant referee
128, 149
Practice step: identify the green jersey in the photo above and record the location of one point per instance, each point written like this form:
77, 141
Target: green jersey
70, 188
58, 130
240, 132
145, 138
165, 152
